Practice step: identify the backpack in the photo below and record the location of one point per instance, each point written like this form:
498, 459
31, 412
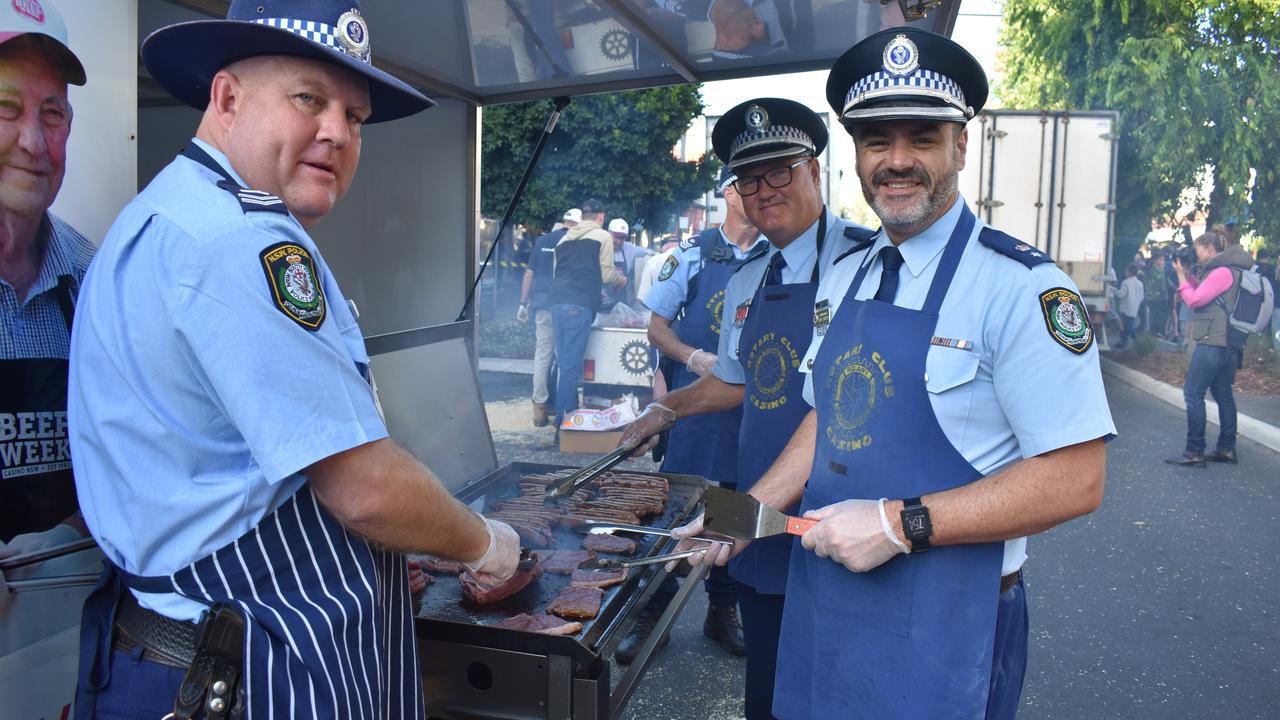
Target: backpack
1255, 302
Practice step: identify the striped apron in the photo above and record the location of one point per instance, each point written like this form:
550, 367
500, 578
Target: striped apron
328, 624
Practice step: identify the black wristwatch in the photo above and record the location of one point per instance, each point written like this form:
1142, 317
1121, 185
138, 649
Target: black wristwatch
916, 524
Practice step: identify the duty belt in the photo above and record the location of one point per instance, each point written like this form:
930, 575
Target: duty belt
163, 640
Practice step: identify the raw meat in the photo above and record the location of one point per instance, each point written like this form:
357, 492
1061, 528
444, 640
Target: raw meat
577, 603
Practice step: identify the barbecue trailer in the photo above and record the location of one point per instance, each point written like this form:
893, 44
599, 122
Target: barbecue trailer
403, 245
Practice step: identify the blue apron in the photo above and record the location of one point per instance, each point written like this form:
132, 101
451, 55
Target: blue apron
328, 621
914, 637
775, 337
705, 445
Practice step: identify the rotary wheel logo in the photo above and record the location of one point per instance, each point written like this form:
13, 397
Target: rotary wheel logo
635, 357
615, 45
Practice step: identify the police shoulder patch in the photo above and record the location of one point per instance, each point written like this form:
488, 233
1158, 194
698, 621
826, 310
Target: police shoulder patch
1067, 319
254, 200
295, 289
668, 267
1010, 246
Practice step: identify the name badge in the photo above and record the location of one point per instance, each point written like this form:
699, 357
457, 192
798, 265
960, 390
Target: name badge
821, 316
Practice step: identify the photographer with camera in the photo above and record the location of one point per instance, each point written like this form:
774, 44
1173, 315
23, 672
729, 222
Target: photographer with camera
1209, 292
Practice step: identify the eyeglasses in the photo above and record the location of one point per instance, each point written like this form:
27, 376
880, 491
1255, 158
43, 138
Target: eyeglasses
777, 178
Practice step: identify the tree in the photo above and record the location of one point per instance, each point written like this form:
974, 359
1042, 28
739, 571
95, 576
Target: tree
1197, 85
614, 147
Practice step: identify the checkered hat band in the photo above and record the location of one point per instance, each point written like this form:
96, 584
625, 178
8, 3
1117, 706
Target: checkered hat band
316, 32
933, 83
775, 134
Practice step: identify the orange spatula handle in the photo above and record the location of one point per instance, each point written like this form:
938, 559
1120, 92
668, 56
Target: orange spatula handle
799, 526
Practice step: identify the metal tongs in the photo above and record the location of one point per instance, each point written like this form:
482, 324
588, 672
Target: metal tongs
589, 472
598, 527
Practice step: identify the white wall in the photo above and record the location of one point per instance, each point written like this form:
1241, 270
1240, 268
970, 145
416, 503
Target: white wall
101, 154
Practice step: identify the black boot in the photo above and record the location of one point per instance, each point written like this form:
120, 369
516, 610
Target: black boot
1188, 460
1223, 456
722, 625
631, 644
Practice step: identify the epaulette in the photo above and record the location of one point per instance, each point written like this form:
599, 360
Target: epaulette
862, 238
689, 243
254, 200
1010, 246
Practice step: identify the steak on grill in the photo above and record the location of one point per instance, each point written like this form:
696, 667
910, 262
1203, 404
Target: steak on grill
609, 544
577, 603
481, 595
565, 562
443, 567
545, 624
598, 578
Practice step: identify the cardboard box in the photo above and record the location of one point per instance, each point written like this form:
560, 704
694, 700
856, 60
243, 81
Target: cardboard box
591, 442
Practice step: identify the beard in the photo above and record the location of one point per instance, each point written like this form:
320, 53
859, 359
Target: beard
923, 210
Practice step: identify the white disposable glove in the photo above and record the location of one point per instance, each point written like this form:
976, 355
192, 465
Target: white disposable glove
642, 434
522, 313
34, 541
854, 533
499, 562
713, 553
700, 362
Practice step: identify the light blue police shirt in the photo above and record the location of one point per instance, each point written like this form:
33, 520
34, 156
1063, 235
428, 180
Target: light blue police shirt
668, 294
194, 400
1015, 393
800, 255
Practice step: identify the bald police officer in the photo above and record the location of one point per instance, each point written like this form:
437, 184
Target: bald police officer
230, 456
958, 408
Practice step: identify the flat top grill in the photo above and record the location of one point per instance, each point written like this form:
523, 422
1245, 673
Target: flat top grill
444, 614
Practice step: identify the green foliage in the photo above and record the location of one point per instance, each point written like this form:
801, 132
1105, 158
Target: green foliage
614, 147
1144, 344
508, 338
1196, 83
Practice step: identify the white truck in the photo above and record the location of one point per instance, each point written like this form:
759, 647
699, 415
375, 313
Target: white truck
1048, 177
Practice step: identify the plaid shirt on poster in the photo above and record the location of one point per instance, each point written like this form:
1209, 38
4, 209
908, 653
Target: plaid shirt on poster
37, 329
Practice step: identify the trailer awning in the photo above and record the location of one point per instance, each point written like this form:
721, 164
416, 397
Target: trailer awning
496, 51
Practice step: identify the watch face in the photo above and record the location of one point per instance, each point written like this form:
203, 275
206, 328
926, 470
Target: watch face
917, 524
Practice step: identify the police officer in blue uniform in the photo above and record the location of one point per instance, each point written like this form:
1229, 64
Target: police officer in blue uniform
958, 408
230, 457
766, 325
685, 328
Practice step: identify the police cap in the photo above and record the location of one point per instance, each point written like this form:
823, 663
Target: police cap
184, 57
906, 73
767, 129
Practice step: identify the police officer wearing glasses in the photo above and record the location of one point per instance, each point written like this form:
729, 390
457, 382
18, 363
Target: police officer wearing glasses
773, 146
230, 457
958, 408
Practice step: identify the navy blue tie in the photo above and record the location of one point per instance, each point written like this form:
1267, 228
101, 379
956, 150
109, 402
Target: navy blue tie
773, 276
891, 260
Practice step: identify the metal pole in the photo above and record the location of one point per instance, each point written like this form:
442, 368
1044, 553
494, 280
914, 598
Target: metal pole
561, 103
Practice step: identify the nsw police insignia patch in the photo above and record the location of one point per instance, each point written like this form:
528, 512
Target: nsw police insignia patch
294, 287
668, 267
1067, 319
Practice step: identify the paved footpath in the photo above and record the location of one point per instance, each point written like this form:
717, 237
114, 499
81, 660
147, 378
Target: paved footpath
1163, 604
